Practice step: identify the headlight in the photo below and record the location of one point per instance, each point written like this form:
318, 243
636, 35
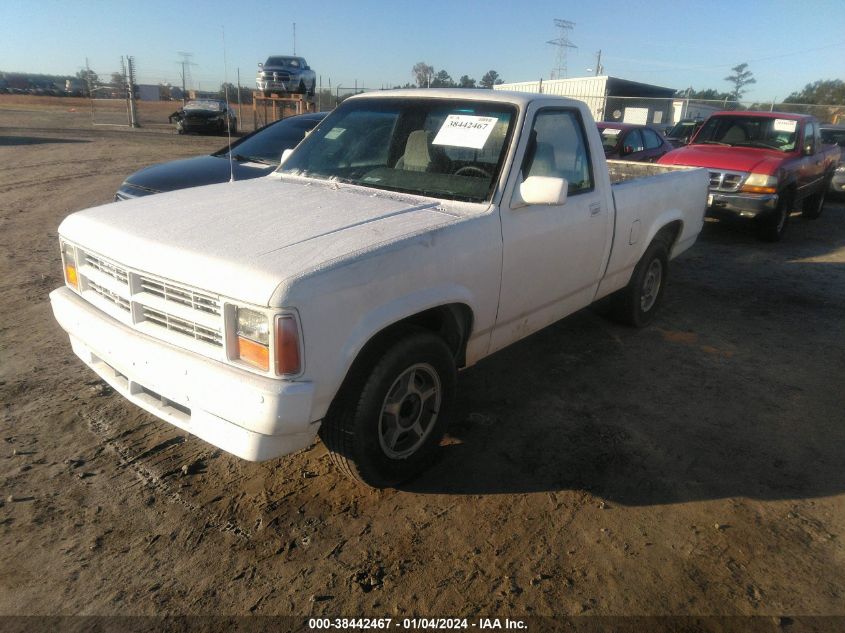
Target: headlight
840, 169
253, 337
760, 183
69, 265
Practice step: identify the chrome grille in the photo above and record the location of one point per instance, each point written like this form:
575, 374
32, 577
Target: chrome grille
182, 326
108, 295
107, 268
149, 303
178, 294
726, 180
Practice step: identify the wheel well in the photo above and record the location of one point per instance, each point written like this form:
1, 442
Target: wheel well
451, 322
670, 233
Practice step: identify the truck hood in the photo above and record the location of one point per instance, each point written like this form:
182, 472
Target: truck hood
242, 240
747, 159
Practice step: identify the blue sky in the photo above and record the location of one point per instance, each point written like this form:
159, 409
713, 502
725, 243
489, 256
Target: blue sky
787, 44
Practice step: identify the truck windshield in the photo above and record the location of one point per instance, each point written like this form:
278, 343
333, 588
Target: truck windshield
450, 149
750, 131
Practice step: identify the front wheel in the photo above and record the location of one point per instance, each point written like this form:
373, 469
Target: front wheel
387, 424
637, 303
772, 227
814, 205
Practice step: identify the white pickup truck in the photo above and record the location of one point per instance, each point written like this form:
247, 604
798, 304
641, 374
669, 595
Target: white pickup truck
410, 235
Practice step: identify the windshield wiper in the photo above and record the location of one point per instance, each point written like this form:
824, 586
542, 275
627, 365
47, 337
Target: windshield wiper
713, 143
252, 159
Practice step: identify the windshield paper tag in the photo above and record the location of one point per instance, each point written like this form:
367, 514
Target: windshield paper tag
335, 132
609, 131
463, 130
785, 125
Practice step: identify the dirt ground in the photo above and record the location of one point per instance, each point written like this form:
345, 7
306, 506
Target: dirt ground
691, 468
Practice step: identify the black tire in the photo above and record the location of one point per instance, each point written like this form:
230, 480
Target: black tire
771, 227
638, 302
814, 205
301, 87
379, 447
313, 88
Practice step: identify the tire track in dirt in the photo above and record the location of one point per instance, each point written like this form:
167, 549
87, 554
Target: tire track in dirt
152, 476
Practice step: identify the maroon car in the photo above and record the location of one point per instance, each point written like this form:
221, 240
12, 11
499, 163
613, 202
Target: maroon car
626, 141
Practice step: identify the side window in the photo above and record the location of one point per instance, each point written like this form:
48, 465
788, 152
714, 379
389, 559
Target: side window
652, 141
557, 148
633, 142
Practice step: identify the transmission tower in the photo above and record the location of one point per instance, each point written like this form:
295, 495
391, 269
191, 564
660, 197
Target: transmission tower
186, 64
562, 42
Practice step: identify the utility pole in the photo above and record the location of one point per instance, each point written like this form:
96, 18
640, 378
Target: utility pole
562, 42
126, 88
133, 112
599, 67
88, 77
239, 96
186, 72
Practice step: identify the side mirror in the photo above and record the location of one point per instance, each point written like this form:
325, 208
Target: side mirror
542, 191
627, 150
285, 155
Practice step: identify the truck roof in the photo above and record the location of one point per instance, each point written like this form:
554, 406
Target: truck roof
765, 114
479, 94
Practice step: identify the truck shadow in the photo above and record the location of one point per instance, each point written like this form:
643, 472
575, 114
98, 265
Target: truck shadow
734, 391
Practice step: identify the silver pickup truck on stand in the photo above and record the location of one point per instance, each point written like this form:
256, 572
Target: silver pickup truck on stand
411, 234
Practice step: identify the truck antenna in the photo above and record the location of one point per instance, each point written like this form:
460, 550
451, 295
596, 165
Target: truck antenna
226, 99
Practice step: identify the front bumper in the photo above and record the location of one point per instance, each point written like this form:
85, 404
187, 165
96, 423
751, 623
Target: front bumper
253, 417
740, 205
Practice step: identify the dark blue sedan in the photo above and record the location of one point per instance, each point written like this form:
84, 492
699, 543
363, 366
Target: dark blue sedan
253, 156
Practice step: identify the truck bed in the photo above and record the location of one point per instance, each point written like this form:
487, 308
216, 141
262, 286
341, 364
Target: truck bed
622, 170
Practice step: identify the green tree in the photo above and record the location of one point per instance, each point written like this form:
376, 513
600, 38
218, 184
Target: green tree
491, 78
742, 77
89, 79
466, 82
442, 80
710, 94
828, 92
423, 74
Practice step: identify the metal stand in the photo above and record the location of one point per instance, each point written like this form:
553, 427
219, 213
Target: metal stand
268, 109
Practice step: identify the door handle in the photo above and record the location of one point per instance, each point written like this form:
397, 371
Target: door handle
595, 208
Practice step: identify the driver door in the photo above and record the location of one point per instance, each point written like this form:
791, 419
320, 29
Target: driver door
553, 256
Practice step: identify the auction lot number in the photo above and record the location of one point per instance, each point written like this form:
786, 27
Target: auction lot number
387, 623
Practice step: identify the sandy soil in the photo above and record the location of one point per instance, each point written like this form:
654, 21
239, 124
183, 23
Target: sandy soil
694, 467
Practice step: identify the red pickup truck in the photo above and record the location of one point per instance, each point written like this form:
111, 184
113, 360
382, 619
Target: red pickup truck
763, 165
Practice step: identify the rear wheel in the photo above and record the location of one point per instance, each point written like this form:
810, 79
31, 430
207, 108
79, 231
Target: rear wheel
386, 425
637, 303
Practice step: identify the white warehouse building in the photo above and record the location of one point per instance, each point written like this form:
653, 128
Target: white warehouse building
609, 98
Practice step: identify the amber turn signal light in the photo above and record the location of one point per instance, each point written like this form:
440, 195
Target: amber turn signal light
254, 353
70, 276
